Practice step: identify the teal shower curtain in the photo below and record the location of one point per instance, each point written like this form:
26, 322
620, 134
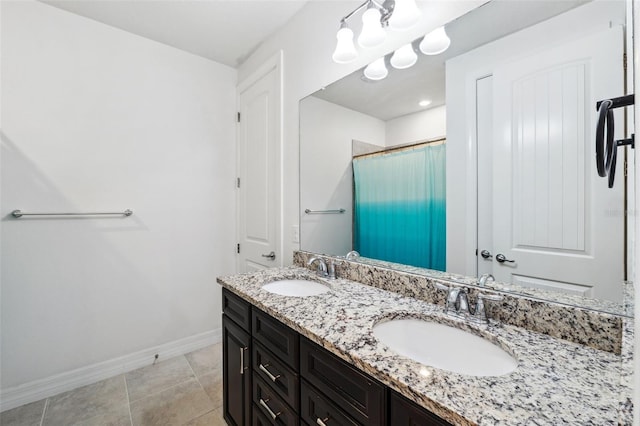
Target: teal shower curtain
400, 207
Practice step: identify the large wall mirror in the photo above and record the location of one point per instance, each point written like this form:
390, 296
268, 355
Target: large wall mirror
503, 123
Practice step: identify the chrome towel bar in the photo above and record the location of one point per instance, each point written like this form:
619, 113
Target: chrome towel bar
337, 211
20, 213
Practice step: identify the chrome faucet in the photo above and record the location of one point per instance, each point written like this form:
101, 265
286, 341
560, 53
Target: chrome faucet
332, 268
322, 266
352, 255
484, 279
457, 303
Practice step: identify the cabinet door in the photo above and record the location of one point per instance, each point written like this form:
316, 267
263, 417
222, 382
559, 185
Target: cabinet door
236, 374
403, 412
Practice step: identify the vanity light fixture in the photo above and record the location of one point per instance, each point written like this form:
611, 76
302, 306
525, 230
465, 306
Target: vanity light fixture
405, 15
372, 34
404, 57
376, 70
397, 14
436, 42
345, 50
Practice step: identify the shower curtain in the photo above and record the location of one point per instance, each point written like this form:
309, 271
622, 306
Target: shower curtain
400, 207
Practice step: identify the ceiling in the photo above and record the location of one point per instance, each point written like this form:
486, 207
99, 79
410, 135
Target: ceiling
225, 31
400, 92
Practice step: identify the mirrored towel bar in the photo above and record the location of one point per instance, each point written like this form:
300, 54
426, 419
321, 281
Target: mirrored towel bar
20, 213
336, 211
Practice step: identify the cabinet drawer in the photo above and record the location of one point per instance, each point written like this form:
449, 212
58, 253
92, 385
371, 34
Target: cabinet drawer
314, 406
259, 419
272, 407
237, 309
276, 337
357, 394
281, 378
403, 412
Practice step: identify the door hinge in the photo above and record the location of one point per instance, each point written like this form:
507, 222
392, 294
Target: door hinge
237, 182
238, 117
238, 248
624, 61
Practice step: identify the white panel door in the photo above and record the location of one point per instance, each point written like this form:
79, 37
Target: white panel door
554, 217
258, 164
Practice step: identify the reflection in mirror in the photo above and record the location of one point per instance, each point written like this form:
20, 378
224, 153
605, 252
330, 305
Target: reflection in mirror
514, 96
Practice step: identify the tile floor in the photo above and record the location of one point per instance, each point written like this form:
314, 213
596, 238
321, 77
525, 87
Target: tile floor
185, 390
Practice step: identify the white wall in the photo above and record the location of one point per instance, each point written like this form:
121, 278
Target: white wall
326, 178
417, 127
462, 72
97, 119
307, 42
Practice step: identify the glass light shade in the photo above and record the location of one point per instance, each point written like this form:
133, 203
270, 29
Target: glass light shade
404, 57
376, 70
345, 50
372, 32
405, 15
436, 42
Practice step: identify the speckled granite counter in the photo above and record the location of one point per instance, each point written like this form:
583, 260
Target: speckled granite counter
556, 382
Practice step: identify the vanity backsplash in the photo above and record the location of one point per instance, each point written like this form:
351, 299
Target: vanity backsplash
595, 329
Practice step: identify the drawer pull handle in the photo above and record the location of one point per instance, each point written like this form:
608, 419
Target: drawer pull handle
271, 413
268, 373
321, 422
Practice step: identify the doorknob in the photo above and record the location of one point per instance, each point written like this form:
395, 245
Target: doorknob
501, 258
270, 256
486, 254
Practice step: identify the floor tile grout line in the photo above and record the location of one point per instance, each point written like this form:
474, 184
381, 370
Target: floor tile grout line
44, 410
203, 390
126, 388
169, 387
164, 390
198, 377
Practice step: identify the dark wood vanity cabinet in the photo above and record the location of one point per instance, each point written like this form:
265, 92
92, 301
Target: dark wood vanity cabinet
403, 412
274, 376
236, 360
261, 358
361, 398
236, 380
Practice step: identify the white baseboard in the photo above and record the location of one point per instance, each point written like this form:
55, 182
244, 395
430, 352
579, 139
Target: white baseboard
44, 388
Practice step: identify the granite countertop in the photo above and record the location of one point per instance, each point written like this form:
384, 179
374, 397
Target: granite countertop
556, 382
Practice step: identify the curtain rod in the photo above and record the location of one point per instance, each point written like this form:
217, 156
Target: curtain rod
405, 147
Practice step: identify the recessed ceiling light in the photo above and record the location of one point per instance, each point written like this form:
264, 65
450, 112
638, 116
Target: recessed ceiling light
424, 103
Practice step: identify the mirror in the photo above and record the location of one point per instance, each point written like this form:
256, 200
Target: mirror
513, 101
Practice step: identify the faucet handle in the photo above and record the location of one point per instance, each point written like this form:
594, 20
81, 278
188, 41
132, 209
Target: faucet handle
480, 313
332, 267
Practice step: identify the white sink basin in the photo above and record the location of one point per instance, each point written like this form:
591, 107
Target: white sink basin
444, 347
296, 288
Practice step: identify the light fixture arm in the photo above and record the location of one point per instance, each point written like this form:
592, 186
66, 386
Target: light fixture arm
383, 11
